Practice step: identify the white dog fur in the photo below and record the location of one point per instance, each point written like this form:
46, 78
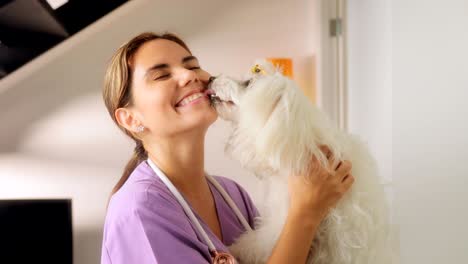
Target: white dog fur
276, 130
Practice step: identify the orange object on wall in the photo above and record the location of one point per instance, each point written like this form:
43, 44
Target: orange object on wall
285, 64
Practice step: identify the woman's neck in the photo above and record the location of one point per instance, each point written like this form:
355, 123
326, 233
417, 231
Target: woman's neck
182, 160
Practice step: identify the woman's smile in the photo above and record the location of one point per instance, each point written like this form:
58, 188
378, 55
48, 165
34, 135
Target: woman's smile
192, 99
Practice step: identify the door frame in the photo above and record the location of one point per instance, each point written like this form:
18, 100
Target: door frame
333, 93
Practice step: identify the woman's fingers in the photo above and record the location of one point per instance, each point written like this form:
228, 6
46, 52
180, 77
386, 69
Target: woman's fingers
343, 170
339, 164
347, 182
330, 157
326, 151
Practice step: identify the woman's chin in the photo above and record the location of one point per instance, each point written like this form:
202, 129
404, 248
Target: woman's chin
201, 118
211, 116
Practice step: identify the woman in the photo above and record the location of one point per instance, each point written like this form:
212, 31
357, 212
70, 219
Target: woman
155, 92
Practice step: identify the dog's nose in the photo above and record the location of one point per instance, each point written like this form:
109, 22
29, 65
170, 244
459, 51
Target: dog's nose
212, 78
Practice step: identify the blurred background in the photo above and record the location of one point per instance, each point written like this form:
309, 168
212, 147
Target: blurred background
57, 140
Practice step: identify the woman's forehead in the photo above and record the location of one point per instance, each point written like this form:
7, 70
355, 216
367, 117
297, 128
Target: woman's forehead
157, 52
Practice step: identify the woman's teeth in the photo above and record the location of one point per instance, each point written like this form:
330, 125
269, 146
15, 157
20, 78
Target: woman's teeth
190, 98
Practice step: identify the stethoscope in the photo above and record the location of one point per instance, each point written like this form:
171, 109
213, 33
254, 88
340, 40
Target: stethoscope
216, 257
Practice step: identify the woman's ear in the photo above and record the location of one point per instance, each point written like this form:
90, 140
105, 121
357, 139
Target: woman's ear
127, 119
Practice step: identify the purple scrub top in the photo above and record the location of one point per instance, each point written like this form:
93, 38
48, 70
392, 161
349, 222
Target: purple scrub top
146, 224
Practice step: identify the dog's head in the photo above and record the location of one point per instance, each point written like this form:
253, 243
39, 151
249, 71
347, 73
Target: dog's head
276, 128
260, 107
229, 93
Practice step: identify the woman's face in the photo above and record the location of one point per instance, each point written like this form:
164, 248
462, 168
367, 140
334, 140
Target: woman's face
167, 87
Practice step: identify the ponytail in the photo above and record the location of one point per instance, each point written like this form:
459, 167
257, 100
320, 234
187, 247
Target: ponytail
139, 155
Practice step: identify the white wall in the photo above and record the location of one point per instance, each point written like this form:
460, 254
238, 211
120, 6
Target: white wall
430, 128
57, 138
369, 65
369, 77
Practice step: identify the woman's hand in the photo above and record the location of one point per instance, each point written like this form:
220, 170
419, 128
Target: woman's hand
313, 195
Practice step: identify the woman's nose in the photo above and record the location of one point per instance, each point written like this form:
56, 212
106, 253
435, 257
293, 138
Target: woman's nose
212, 78
187, 76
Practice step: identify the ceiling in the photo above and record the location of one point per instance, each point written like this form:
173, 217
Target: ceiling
29, 28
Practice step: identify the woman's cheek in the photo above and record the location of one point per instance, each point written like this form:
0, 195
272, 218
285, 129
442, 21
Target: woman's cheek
203, 75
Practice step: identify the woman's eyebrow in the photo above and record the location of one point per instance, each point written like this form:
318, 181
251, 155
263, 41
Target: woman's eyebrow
189, 58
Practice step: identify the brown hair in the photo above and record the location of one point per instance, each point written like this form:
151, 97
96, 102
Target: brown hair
117, 91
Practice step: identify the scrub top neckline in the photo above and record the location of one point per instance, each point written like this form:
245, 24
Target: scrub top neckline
216, 196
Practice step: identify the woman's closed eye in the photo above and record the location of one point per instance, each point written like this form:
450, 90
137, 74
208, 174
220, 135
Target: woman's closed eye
162, 77
166, 76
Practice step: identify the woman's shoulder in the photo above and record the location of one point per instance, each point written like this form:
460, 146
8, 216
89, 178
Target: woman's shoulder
144, 222
141, 192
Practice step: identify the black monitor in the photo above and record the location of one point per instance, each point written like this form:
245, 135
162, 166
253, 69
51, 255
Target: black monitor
36, 231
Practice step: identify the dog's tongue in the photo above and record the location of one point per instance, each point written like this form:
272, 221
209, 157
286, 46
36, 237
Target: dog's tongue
209, 91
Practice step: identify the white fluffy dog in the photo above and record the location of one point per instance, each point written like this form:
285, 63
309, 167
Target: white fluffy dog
276, 130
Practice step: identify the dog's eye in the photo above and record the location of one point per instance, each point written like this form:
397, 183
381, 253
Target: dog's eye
246, 83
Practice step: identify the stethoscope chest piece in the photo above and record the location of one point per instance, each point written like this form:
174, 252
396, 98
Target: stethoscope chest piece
222, 258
